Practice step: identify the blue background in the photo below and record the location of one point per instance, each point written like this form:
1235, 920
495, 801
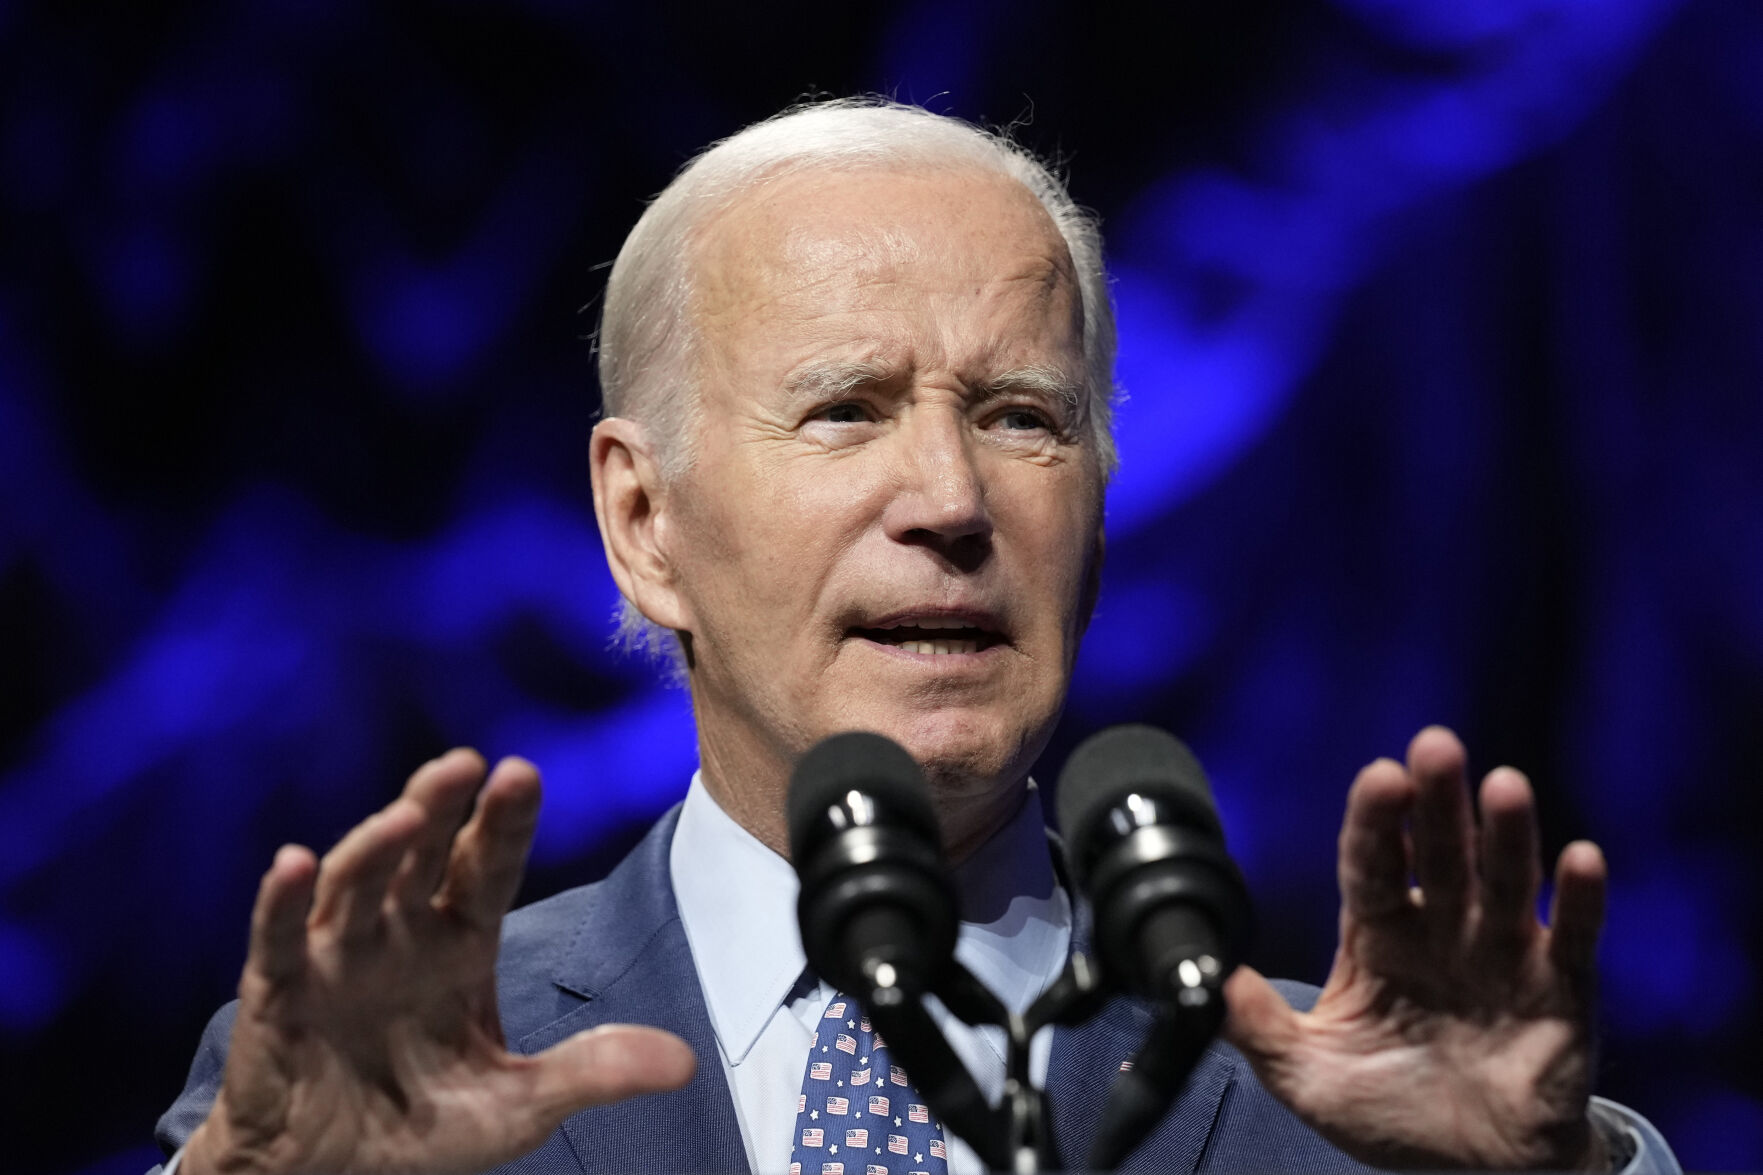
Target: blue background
1440, 327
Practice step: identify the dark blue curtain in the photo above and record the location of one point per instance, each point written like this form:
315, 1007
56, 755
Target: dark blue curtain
1442, 337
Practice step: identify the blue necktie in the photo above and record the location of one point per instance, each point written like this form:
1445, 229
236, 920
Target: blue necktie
858, 1114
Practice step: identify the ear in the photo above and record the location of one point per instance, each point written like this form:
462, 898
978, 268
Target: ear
630, 503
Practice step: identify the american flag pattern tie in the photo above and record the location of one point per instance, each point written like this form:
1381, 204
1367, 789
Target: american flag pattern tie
857, 1113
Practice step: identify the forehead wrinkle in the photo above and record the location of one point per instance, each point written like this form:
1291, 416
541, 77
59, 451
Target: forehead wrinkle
1042, 284
762, 258
831, 274
872, 250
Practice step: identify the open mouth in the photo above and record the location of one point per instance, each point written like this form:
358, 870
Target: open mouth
932, 636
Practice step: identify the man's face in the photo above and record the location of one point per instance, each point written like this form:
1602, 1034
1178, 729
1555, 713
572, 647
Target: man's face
893, 520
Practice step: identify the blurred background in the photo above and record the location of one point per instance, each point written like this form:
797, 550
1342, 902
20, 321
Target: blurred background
1441, 338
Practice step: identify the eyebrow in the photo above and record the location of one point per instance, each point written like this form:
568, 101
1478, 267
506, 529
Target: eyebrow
834, 378
1043, 378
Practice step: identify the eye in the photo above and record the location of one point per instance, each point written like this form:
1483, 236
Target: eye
1023, 419
844, 412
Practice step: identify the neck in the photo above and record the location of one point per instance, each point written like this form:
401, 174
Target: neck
970, 819
751, 784
751, 787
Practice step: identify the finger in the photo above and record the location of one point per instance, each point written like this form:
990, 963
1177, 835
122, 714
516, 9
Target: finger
1576, 916
607, 1064
353, 876
1443, 829
1262, 1026
278, 919
1373, 867
489, 854
444, 789
1511, 867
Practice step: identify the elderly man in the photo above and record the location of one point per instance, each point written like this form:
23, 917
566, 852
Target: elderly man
856, 364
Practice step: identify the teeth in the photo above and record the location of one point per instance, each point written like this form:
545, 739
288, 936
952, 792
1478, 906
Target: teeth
940, 648
931, 622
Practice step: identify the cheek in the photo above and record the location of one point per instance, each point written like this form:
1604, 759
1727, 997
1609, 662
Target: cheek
764, 538
1061, 544
716, 543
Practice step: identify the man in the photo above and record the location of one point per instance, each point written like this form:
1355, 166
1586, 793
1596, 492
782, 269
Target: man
856, 363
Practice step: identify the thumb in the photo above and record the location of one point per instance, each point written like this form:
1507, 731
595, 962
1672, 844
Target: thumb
1260, 1023
608, 1064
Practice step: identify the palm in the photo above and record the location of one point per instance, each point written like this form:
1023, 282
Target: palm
367, 1037
1453, 1029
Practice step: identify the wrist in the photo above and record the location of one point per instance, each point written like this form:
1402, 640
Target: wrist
210, 1151
195, 1159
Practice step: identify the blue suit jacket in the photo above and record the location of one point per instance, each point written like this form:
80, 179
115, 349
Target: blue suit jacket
615, 952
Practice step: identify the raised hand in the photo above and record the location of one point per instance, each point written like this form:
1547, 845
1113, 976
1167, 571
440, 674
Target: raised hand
1454, 1029
367, 1037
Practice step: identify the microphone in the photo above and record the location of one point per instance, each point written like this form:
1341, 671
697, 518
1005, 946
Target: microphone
1143, 839
877, 907
1171, 910
878, 912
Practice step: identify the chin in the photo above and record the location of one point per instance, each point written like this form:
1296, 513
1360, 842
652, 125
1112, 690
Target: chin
965, 754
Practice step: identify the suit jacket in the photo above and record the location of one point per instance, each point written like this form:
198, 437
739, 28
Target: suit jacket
615, 951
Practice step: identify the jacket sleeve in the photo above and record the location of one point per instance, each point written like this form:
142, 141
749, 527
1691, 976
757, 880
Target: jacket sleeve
192, 1106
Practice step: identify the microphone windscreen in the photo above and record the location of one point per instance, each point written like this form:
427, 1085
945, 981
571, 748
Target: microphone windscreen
1122, 760
859, 761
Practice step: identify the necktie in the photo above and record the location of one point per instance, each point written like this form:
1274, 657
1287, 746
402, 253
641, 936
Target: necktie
857, 1113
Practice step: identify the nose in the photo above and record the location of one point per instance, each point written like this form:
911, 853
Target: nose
940, 498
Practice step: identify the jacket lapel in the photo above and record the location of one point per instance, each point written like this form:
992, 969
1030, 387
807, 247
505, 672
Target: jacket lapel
1081, 1073
630, 964
1085, 1061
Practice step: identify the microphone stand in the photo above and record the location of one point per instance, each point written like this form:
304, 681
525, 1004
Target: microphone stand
1187, 1020
1016, 1135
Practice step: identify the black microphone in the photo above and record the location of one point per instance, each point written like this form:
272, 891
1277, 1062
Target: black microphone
877, 908
1145, 845
1172, 914
879, 914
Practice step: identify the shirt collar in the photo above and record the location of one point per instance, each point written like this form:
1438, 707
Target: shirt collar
1016, 918
737, 902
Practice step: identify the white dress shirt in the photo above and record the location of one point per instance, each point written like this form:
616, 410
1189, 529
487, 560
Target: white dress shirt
737, 902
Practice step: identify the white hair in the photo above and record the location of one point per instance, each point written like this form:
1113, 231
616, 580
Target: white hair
647, 340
